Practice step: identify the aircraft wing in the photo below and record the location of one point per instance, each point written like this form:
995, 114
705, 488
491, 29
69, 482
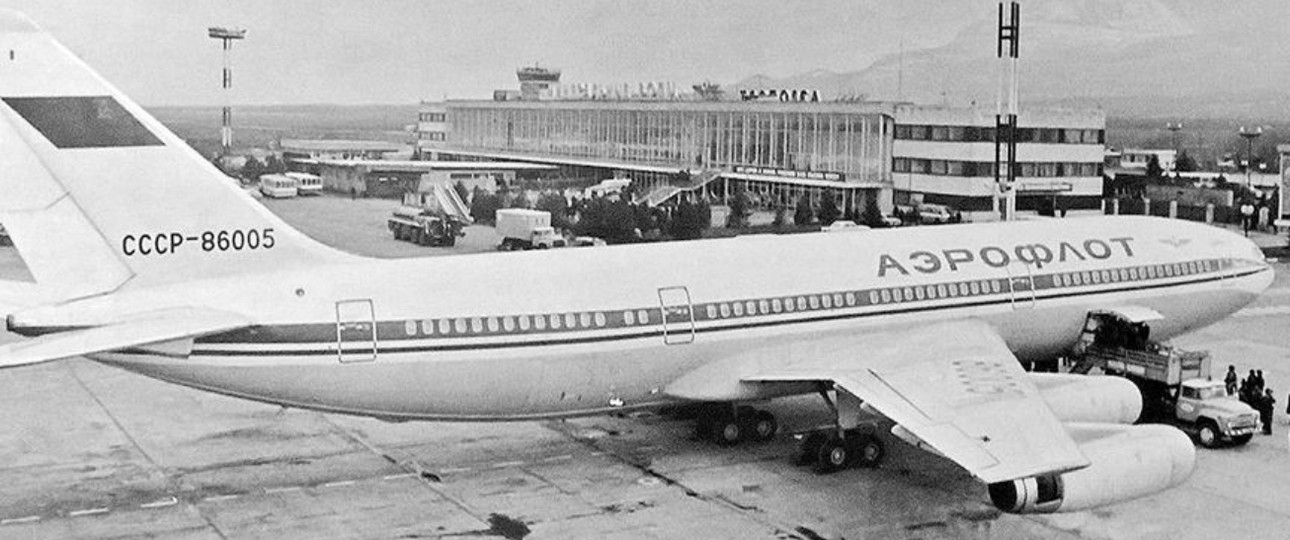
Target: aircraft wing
954, 385
145, 329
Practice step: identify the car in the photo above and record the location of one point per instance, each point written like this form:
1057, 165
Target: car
891, 221
935, 213
586, 241
843, 225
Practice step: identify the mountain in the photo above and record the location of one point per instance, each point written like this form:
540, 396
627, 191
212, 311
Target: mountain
1166, 54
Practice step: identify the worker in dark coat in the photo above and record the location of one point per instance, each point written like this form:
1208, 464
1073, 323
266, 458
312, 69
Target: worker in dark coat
1230, 380
1266, 402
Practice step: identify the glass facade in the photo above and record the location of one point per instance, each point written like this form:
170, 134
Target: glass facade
850, 139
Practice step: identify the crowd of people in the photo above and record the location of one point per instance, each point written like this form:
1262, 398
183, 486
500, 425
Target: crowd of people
1253, 391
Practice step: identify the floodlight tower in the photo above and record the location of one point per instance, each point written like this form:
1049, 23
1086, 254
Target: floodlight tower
1005, 117
227, 35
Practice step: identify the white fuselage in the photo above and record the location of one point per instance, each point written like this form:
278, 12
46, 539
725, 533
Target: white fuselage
570, 332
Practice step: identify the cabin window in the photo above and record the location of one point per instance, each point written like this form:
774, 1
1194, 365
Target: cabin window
410, 328
837, 300
814, 302
476, 325
801, 303
555, 321
776, 305
886, 295
763, 307
508, 323
751, 307
897, 296
975, 287
539, 322
738, 309
851, 299
642, 316
712, 311
444, 326
725, 310
523, 320
427, 326
629, 318
460, 326
997, 287
600, 319
572, 321
493, 324
1133, 273
873, 297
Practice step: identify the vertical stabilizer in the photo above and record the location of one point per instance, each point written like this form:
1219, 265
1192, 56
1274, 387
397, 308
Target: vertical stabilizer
97, 194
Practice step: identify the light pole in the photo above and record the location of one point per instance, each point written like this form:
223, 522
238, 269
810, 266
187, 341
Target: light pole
1174, 128
1249, 137
1247, 209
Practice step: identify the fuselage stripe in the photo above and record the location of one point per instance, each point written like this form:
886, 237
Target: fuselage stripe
1019, 290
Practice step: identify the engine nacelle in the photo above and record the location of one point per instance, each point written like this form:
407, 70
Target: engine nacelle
1090, 398
1127, 462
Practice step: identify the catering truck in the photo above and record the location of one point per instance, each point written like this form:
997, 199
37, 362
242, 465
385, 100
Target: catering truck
1176, 384
521, 228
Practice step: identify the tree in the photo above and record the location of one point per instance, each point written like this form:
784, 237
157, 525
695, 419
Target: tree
521, 199
738, 216
484, 205
252, 168
555, 203
828, 210
1185, 163
1154, 172
689, 220
872, 215
273, 165
804, 214
614, 221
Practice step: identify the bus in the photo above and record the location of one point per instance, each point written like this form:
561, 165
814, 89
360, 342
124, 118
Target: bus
277, 186
307, 184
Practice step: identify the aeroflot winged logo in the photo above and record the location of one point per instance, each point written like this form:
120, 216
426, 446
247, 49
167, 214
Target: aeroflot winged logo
1036, 254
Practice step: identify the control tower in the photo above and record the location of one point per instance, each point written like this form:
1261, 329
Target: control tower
535, 79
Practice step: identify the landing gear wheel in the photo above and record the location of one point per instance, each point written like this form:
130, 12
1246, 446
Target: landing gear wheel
764, 426
810, 448
1208, 435
727, 431
832, 456
867, 451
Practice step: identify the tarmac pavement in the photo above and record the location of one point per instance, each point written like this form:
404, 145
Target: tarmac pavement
89, 451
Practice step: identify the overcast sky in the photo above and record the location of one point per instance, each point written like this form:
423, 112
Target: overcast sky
402, 51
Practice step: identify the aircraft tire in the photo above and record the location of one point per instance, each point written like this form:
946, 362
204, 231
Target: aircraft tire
867, 451
763, 426
833, 456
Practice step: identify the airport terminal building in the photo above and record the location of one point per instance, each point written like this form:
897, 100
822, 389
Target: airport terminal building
684, 145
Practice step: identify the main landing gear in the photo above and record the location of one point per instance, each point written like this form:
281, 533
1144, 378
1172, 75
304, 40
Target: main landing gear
728, 425
848, 443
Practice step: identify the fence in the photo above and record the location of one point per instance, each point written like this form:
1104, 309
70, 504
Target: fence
1207, 213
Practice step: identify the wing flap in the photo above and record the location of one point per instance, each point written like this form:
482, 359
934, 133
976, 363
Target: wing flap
954, 385
150, 329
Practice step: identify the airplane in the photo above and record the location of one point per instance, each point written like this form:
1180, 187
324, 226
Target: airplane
145, 257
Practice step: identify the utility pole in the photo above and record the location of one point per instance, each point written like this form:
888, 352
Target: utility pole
1174, 128
1005, 124
227, 35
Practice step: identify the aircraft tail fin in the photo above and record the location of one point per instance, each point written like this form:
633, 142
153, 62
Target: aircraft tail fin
97, 193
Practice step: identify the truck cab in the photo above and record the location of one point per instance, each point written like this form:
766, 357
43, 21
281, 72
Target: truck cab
1216, 416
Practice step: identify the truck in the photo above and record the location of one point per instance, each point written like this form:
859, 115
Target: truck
1175, 383
424, 226
521, 228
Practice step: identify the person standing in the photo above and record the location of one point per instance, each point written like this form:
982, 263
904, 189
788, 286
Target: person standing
1230, 380
1266, 402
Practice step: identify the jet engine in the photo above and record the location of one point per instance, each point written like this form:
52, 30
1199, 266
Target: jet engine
1126, 462
1090, 398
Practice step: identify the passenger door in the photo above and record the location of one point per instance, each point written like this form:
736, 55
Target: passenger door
355, 331
678, 315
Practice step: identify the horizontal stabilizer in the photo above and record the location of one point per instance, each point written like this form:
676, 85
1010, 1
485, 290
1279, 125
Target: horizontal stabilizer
149, 328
